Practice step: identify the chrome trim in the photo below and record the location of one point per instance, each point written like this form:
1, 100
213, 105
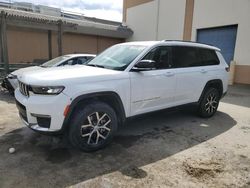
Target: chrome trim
40, 115
36, 127
24, 89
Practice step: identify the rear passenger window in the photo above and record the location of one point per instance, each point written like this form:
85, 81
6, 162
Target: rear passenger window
186, 57
192, 57
209, 57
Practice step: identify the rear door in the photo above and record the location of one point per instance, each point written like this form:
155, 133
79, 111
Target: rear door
190, 74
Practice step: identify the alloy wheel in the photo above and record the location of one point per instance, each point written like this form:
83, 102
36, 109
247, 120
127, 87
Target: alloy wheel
96, 128
211, 103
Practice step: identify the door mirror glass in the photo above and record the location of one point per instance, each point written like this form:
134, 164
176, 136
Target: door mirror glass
144, 65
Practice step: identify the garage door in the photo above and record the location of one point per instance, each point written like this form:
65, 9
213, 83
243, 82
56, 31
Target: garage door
221, 37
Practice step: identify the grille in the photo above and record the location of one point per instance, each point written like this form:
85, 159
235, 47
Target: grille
24, 89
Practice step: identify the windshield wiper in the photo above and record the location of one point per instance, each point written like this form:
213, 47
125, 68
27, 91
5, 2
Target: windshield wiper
95, 65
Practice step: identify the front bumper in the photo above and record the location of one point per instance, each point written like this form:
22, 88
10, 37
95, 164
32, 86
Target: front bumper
7, 85
48, 108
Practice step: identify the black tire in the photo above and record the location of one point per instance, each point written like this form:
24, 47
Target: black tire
85, 127
209, 103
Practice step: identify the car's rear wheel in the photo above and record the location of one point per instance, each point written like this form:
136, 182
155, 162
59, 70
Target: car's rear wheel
209, 103
93, 126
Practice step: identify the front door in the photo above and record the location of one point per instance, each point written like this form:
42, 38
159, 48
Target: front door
153, 89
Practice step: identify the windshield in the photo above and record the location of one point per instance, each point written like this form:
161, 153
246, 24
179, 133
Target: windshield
117, 57
54, 61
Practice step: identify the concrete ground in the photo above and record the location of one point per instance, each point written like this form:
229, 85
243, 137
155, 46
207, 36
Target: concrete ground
171, 148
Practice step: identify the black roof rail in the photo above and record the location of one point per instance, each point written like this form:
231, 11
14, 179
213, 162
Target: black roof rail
187, 42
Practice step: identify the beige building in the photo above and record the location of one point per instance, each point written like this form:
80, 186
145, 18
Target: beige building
223, 23
27, 36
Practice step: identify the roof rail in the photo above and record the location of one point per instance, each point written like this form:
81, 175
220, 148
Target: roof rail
187, 42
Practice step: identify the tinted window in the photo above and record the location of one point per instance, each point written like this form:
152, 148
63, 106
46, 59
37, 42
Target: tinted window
161, 56
186, 57
209, 57
193, 57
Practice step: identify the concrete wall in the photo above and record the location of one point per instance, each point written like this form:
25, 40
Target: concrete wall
142, 19
150, 24
215, 13
171, 19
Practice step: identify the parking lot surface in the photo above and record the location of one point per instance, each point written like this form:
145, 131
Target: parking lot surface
170, 148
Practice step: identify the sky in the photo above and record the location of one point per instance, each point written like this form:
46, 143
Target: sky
104, 9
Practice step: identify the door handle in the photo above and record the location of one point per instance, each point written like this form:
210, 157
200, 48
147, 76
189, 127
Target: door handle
203, 71
168, 74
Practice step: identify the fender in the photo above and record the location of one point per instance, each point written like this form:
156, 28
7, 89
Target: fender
216, 83
102, 96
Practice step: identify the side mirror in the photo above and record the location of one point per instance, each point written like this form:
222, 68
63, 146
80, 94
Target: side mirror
144, 65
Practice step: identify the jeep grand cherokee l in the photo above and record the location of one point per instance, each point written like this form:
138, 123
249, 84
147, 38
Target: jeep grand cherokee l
89, 102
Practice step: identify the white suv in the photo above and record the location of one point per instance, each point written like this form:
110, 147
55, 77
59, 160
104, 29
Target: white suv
89, 102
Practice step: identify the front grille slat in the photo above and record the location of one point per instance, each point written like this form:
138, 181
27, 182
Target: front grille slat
24, 89
22, 110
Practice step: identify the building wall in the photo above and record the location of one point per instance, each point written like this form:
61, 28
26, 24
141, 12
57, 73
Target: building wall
171, 19
76, 43
215, 13
25, 45
142, 19
105, 42
154, 20
131, 3
54, 44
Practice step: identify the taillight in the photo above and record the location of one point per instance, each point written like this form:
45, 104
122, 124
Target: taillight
227, 69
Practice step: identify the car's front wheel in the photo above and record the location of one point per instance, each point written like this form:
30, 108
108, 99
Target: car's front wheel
93, 126
209, 103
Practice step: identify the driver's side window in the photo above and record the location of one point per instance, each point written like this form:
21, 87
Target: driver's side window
161, 56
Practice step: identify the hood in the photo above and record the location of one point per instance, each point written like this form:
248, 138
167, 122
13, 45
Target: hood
27, 69
68, 75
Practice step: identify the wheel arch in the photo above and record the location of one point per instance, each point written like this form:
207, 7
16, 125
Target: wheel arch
216, 83
109, 97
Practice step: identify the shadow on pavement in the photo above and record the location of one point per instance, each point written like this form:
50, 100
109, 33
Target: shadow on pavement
42, 161
6, 96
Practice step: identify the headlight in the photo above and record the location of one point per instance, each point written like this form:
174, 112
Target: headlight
12, 76
47, 90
